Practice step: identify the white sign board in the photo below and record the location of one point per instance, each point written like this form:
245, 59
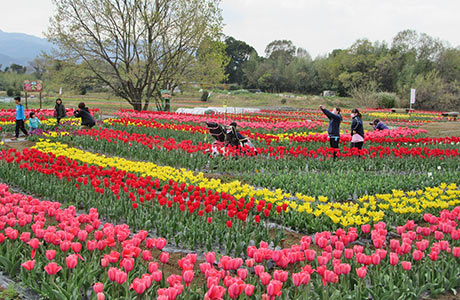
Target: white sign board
412, 96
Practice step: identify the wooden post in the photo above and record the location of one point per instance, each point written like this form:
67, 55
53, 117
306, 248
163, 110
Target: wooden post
27, 107
40, 100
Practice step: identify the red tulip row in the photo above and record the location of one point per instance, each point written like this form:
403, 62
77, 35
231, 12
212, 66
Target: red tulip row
264, 123
10, 114
139, 190
112, 136
400, 135
80, 249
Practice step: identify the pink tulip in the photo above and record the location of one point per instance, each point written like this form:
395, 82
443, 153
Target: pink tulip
188, 277
210, 257
216, 292
417, 255
456, 252
280, 275
394, 259
259, 269
160, 243
235, 290
366, 228
121, 277
348, 253
50, 254
242, 273
52, 268
71, 261
100, 296
29, 265
164, 257
157, 276
406, 265
249, 290
274, 288
98, 287
153, 266
265, 278
361, 272
76, 247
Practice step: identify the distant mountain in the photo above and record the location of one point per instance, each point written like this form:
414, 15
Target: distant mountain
20, 48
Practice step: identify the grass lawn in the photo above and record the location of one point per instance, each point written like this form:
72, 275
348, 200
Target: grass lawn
110, 104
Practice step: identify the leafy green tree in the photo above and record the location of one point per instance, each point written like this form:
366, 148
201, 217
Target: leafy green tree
239, 53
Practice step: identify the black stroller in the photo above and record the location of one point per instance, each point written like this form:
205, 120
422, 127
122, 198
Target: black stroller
226, 136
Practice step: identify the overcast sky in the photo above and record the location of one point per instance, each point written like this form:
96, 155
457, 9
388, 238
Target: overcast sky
316, 25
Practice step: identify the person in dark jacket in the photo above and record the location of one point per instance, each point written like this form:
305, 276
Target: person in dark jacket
59, 110
379, 125
357, 129
335, 118
82, 112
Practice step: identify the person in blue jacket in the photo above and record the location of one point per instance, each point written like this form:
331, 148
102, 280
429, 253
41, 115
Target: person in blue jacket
20, 117
379, 125
34, 122
335, 118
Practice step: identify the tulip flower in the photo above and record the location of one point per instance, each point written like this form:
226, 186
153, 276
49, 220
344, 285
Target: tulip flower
188, 277
215, 292
50, 254
361, 272
100, 296
160, 243
456, 252
210, 257
52, 268
235, 290
121, 277
72, 261
265, 278
98, 287
29, 265
274, 288
406, 265
417, 255
138, 286
164, 257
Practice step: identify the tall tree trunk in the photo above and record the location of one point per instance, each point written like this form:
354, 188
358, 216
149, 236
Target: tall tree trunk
137, 104
146, 104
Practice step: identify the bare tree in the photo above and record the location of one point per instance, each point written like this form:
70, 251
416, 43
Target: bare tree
136, 47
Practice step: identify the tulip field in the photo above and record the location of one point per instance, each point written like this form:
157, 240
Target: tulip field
92, 213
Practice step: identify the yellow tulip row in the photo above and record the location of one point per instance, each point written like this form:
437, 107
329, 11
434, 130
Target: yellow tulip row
383, 115
48, 122
367, 209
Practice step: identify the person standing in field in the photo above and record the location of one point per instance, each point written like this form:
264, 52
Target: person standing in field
82, 112
357, 129
335, 118
59, 110
20, 117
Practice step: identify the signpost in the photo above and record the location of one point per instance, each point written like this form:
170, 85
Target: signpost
33, 86
412, 98
166, 96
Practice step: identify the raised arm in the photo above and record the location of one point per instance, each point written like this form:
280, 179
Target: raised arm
329, 114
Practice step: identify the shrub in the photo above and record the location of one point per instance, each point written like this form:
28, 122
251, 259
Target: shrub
386, 100
283, 101
10, 92
204, 96
365, 94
